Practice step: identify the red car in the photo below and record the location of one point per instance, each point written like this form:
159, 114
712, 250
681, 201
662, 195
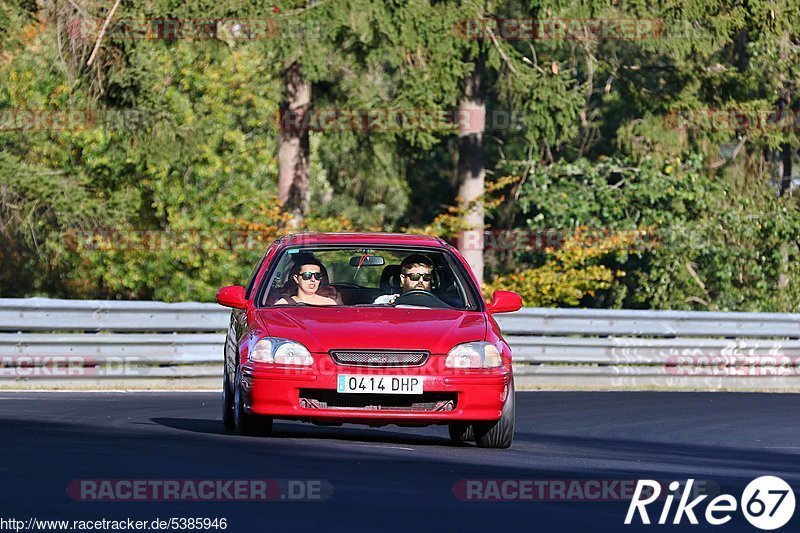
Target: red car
368, 328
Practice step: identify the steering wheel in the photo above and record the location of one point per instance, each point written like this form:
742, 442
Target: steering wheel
420, 298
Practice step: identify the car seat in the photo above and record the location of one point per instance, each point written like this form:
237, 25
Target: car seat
390, 279
444, 287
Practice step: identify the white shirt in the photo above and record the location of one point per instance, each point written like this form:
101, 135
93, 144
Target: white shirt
386, 299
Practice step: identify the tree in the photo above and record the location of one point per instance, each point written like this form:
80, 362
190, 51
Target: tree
293, 150
471, 171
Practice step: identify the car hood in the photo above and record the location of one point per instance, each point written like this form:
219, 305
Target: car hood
322, 329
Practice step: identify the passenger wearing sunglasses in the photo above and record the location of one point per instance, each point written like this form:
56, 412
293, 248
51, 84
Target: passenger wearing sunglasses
416, 272
308, 276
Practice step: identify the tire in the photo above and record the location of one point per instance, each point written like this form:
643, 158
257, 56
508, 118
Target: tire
245, 423
461, 432
227, 403
500, 433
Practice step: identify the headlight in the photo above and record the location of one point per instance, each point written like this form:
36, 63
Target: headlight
281, 352
474, 355
262, 352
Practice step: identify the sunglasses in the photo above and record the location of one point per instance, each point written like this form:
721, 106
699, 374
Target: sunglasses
308, 275
415, 276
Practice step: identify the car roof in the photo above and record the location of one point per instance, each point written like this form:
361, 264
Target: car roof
372, 239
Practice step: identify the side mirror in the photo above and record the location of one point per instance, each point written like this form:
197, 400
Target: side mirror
232, 296
504, 302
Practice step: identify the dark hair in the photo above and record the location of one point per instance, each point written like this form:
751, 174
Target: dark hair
302, 260
415, 259
290, 288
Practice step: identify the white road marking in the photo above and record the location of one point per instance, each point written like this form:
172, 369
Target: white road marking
385, 447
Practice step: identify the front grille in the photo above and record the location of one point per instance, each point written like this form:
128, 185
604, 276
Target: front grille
428, 401
380, 357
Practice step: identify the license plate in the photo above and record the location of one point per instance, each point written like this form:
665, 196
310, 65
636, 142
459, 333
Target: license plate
349, 383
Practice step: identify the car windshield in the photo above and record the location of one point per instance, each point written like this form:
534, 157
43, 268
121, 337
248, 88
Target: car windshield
393, 277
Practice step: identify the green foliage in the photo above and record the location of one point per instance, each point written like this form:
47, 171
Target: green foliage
571, 272
196, 148
708, 250
179, 138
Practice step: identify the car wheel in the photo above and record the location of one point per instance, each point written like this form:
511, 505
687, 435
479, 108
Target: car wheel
500, 433
460, 432
227, 402
245, 423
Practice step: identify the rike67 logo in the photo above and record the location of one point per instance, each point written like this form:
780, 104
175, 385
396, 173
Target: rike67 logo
767, 503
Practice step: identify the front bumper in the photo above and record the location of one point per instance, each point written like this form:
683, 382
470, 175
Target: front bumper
276, 391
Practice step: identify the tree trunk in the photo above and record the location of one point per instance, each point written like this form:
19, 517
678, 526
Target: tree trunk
783, 276
784, 110
470, 170
293, 189
785, 169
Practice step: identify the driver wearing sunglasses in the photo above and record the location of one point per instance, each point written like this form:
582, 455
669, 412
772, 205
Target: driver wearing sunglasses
416, 272
308, 275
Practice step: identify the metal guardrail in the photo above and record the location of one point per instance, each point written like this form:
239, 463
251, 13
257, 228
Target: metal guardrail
44, 314
96, 341
586, 322
43, 338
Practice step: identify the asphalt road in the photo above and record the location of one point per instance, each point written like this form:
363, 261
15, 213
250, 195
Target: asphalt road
389, 478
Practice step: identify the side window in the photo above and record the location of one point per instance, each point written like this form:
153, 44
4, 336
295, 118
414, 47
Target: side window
279, 280
249, 286
457, 288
